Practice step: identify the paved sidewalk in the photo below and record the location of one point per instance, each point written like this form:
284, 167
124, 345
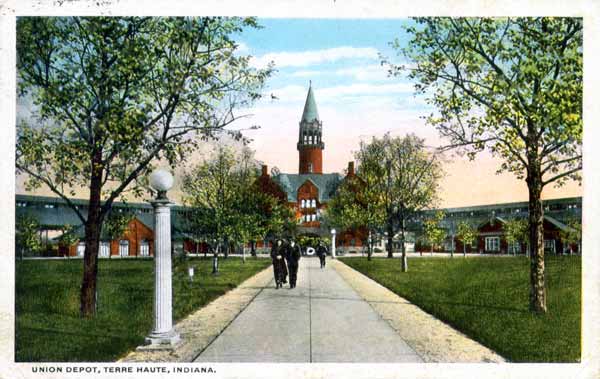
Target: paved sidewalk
433, 340
201, 327
321, 320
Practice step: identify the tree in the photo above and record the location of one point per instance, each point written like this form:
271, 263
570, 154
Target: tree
357, 202
210, 188
112, 95
68, 236
228, 205
116, 224
572, 235
512, 86
434, 233
388, 194
256, 213
27, 235
415, 174
515, 231
466, 233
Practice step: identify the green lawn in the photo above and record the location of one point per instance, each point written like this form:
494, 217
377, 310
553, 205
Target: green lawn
48, 328
487, 299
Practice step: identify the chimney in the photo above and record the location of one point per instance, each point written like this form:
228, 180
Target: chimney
265, 170
350, 168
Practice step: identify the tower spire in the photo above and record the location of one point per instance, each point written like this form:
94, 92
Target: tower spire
310, 113
310, 145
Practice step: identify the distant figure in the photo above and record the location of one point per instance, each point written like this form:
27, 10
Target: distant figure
279, 268
321, 253
292, 257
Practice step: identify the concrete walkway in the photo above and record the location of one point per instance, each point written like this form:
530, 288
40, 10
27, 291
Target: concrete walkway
323, 319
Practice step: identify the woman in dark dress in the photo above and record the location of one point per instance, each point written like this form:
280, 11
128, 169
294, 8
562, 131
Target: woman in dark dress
292, 257
279, 268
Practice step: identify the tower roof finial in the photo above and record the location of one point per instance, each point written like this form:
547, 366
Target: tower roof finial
310, 113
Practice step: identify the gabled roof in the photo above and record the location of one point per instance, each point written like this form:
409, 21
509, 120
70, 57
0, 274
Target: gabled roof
558, 224
325, 183
490, 220
310, 112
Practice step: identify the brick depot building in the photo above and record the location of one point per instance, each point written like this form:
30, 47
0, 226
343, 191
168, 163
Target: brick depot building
307, 192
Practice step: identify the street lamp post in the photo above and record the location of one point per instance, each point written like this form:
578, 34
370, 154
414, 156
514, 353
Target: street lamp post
163, 336
333, 243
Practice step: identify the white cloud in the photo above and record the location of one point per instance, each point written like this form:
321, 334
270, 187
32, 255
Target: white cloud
242, 48
306, 74
364, 73
307, 58
364, 89
295, 93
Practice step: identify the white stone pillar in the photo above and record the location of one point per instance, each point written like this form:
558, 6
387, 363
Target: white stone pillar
163, 335
333, 244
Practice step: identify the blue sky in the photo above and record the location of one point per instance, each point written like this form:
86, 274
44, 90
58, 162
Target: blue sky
340, 56
355, 96
356, 100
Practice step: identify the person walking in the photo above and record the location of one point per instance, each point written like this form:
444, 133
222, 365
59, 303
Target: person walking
321, 252
292, 258
279, 268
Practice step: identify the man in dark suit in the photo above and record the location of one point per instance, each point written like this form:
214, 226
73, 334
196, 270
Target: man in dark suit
321, 253
292, 258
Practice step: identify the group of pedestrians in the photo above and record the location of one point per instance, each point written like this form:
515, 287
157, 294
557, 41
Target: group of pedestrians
286, 257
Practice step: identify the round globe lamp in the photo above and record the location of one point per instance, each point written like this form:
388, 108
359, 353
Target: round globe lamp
161, 180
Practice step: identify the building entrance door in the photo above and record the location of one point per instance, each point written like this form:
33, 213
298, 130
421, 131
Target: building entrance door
80, 249
144, 249
124, 248
104, 249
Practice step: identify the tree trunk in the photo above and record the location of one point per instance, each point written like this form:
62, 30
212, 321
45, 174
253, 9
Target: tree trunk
390, 238
537, 293
93, 227
253, 248
370, 243
215, 263
403, 247
452, 246
464, 250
